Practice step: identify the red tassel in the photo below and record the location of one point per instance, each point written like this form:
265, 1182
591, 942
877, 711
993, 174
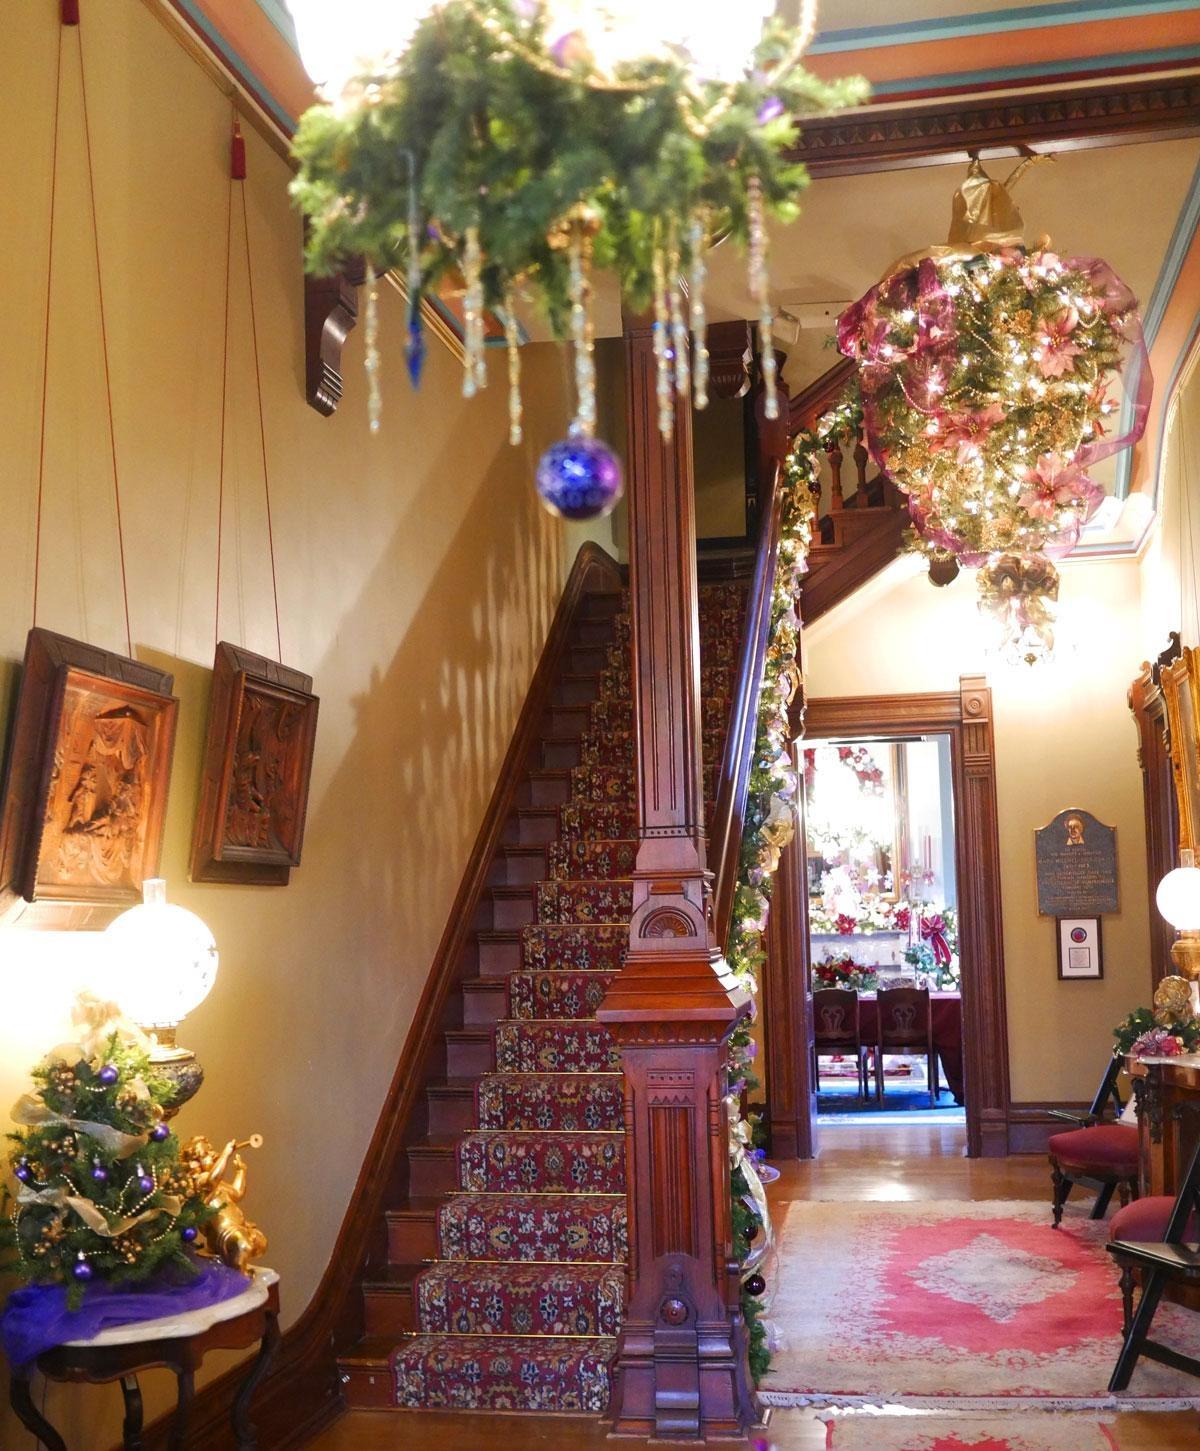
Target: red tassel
237, 154
70, 12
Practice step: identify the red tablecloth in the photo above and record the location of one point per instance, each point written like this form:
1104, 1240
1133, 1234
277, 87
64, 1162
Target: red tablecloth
947, 1033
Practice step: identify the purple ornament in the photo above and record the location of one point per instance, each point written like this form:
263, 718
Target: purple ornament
145, 1183
81, 1269
414, 349
99, 1173
579, 478
755, 1284
769, 110
188, 1235
109, 1074
160, 1132
24, 1173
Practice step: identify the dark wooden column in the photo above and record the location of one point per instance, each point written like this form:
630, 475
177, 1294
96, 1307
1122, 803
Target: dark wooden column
786, 1007
681, 1367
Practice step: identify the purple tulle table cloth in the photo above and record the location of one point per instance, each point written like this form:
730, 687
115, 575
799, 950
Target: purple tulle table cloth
36, 1318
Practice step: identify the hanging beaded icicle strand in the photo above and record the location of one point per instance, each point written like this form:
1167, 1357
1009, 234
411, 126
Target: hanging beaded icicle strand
760, 289
474, 362
371, 356
512, 339
414, 348
583, 328
697, 242
662, 348
679, 329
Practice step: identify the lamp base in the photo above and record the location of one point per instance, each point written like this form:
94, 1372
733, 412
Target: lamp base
1185, 954
181, 1067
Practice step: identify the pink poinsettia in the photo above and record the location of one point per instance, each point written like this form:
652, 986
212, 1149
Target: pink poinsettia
1051, 484
967, 431
1055, 352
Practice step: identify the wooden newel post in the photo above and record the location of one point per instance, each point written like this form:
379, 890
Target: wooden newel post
681, 1368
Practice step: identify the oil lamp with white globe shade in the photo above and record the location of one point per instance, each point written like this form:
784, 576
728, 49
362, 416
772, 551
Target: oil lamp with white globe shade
1178, 899
160, 962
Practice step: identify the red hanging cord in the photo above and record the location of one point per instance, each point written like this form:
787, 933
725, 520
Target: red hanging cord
224, 387
41, 473
112, 433
239, 156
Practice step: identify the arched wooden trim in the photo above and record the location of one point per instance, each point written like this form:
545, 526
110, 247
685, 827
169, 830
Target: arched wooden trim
966, 717
1149, 708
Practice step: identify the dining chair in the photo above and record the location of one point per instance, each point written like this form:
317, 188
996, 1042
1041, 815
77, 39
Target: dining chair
837, 1029
1100, 1153
906, 1026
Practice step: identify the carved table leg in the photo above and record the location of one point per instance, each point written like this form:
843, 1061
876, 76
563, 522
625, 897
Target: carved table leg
30, 1417
131, 1427
243, 1429
187, 1389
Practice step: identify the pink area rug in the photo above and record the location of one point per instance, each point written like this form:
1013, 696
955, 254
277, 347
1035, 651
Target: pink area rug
1002, 1431
957, 1306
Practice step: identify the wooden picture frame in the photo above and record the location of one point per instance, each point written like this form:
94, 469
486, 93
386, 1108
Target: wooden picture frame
257, 763
86, 786
1080, 950
1179, 681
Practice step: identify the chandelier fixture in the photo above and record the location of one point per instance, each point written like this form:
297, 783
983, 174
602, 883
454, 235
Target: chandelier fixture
506, 149
987, 373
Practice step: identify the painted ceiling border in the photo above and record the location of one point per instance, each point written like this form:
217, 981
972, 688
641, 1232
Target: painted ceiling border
989, 22
1082, 66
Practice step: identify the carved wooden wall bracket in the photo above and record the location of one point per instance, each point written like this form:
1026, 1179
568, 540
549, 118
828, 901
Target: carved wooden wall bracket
330, 313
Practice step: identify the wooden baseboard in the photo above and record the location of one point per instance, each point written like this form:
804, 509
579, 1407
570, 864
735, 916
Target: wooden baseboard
1030, 1125
303, 1392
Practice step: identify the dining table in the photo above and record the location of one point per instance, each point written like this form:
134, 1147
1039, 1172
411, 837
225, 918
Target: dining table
947, 1033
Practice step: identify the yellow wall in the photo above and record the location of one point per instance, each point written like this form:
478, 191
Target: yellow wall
417, 575
1170, 563
1064, 737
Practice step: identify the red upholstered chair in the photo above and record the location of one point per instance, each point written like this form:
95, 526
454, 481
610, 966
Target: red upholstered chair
906, 1026
837, 1029
1164, 1250
1103, 1155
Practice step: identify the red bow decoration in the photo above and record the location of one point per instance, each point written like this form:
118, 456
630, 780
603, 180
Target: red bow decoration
933, 931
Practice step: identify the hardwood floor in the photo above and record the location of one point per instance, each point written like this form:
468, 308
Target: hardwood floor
860, 1164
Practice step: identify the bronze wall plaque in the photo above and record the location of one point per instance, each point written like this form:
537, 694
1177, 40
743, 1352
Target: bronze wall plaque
1076, 866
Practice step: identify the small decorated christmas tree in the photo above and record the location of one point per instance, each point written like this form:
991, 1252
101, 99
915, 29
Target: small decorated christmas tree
102, 1193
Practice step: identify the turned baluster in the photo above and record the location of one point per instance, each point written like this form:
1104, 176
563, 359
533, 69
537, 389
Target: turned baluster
834, 454
861, 457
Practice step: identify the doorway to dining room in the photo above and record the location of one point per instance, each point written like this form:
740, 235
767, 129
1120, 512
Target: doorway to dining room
884, 964
963, 857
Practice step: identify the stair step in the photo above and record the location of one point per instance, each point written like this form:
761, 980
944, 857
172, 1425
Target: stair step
537, 825
389, 1300
574, 947
412, 1231
432, 1168
566, 722
576, 689
461, 1297
542, 1228
535, 1373
512, 906
593, 632
586, 659
595, 901
451, 1108
366, 1373
520, 866
558, 755
598, 860
560, 1046
603, 604
469, 1052
549, 786
499, 951
551, 1101
551, 995
485, 1001
532, 1161
583, 820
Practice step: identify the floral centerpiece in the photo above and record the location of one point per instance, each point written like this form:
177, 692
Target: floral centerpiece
934, 953
1167, 1029
843, 971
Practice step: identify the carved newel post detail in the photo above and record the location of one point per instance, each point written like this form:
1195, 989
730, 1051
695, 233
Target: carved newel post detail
681, 1368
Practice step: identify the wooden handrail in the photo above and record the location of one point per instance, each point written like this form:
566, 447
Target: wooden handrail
733, 788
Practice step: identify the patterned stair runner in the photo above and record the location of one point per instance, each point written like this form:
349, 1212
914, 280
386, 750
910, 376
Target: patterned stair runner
520, 1307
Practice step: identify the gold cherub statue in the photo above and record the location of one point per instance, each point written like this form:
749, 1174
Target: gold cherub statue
1173, 1002
228, 1234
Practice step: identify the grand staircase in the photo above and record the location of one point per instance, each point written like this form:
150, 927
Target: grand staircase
503, 1283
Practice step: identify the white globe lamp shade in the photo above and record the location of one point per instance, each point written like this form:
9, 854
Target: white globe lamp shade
1178, 898
161, 961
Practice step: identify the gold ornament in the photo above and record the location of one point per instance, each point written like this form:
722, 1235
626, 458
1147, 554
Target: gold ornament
228, 1234
1173, 1002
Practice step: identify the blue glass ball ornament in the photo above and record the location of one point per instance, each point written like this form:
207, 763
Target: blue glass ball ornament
24, 1173
579, 478
755, 1284
109, 1074
81, 1270
99, 1173
188, 1235
160, 1132
145, 1183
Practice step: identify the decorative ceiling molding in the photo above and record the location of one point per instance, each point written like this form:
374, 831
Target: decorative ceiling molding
1112, 114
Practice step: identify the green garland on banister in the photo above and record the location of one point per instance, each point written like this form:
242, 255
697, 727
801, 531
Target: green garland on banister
770, 824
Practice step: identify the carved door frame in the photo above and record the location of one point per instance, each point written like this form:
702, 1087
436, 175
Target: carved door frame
965, 716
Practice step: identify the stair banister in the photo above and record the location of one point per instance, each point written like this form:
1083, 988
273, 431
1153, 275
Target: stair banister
725, 841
